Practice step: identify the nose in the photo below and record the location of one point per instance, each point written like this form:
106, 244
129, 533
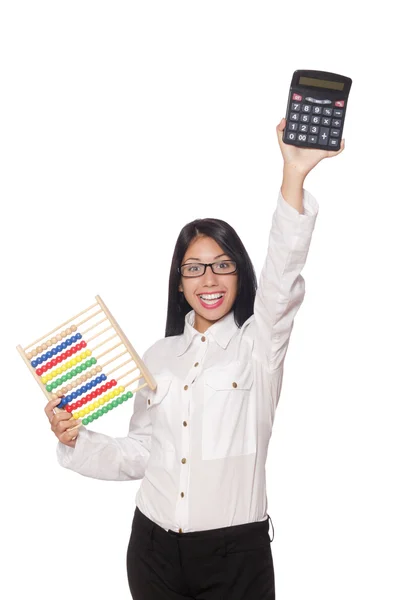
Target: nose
209, 278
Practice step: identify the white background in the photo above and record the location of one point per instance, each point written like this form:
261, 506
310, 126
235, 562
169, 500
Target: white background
122, 121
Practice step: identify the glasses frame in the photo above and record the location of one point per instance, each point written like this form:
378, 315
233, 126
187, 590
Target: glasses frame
205, 265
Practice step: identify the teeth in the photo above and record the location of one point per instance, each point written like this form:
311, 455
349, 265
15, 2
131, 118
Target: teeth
211, 296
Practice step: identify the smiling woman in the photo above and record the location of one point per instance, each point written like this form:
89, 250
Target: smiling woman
209, 288
199, 442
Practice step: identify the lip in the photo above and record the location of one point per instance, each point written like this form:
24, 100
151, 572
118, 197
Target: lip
212, 306
215, 292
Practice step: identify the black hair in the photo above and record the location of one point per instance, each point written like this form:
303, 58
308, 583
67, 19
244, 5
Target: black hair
231, 244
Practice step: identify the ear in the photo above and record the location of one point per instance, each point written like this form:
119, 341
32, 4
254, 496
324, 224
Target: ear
180, 289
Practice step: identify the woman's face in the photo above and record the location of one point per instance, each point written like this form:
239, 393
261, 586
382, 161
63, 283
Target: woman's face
205, 249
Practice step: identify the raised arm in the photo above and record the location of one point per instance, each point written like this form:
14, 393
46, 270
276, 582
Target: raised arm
104, 457
281, 288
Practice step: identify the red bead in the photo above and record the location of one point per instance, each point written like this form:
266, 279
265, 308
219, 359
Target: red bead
113, 383
69, 353
68, 408
79, 403
83, 344
90, 397
39, 372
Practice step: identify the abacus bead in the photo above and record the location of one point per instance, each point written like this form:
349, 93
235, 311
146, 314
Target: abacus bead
78, 336
58, 337
48, 388
130, 394
48, 343
85, 421
68, 331
34, 352
90, 419
73, 328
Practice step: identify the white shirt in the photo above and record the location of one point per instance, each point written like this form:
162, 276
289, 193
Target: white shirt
199, 442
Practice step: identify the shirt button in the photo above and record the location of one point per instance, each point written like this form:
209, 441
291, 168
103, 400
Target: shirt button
186, 387
180, 530
203, 338
196, 364
183, 460
184, 424
182, 494
148, 401
234, 384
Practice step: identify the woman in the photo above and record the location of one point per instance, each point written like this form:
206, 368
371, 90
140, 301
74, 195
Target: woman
199, 442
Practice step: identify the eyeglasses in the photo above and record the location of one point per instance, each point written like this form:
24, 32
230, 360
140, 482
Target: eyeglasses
221, 267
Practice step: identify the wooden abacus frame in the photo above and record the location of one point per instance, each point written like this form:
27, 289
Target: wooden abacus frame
57, 337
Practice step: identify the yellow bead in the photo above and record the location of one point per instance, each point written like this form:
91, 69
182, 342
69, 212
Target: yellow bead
121, 389
96, 404
88, 352
75, 416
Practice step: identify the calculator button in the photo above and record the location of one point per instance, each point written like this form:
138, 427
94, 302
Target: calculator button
336, 122
312, 139
304, 128
314, 128
305, 118
296, 106
306, 108
333, 142
296, 97
340, 103
323, 138
293, 126
338, 112
316, 120
327, 112
326, 121
291, 135
302, 137
294, 116
335, 132
317, 110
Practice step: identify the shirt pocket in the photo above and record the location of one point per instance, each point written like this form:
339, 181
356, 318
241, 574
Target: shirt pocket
229, 412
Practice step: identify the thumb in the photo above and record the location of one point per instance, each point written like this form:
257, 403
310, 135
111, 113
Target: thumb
280, 128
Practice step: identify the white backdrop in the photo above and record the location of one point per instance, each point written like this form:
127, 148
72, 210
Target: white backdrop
122, 121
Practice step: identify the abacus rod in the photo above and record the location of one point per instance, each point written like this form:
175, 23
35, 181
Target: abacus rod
88, 318
132, 381
142, 367
119, 366
112, 359
93, 326
110, 349
104, 342
127, 373
98, 334
59, 327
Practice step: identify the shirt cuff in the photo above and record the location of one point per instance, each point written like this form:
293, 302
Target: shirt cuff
67, 456
310, 206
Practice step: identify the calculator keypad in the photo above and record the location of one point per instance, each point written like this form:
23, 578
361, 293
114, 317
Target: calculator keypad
312, 124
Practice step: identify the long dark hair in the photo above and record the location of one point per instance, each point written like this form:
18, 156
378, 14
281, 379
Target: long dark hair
231, 244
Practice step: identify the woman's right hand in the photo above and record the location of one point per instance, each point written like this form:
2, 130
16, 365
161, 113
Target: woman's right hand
62, 423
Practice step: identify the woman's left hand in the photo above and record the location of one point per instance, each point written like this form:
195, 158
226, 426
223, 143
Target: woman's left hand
302, 160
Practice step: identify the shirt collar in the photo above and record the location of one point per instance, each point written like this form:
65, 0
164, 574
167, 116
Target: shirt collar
222, 331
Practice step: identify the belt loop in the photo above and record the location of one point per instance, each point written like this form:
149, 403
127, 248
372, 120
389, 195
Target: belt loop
272, 527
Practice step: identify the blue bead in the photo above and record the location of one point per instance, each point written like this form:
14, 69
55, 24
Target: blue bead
78, 336
63, 346
103, 377
84, 389
74, 395
33, 363
69, 342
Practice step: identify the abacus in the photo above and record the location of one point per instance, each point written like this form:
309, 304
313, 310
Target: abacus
63, 358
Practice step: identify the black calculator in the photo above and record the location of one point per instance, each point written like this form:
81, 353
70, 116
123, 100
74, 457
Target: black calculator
316, 109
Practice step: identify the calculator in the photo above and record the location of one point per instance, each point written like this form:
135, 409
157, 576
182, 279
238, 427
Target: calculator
316, 109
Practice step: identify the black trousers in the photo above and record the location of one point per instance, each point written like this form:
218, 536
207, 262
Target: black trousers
229, 563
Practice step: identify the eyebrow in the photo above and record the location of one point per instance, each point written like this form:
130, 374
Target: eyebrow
219, 255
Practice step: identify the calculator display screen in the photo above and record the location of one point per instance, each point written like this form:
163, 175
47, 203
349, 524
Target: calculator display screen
331, 85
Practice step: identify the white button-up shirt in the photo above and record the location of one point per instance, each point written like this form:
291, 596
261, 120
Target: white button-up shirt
199, 442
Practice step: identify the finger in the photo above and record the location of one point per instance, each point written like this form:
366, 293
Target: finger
68, 436
49, 408
279, 129
336, 152
59, 425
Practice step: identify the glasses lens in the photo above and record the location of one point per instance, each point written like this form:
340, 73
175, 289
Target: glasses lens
192, 270
224, 266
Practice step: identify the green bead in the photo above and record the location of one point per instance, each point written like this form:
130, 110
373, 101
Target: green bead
110, 406
85, 421
129, 394
64, 378
83, 367
49, 387
100, 412
93, 360
90, 418
114, 403
78, 369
